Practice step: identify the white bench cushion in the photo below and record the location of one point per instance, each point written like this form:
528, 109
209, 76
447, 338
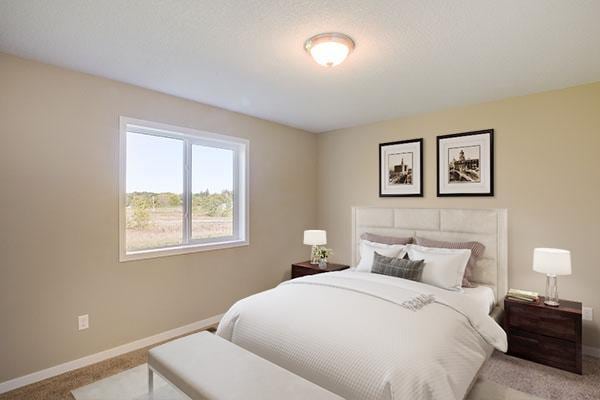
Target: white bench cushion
206, 366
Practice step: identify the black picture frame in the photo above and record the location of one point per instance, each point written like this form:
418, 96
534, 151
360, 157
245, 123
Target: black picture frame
487, 193
419, 164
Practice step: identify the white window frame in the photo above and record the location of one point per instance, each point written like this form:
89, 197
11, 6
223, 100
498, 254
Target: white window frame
190, 137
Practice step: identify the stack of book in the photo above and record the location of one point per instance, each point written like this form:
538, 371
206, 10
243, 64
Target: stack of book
523, 295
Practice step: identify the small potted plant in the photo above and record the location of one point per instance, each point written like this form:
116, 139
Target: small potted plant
322, 254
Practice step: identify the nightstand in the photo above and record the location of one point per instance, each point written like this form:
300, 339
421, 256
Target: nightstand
544, 334
306, 268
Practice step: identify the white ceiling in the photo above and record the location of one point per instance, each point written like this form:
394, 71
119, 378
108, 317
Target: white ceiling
411, 56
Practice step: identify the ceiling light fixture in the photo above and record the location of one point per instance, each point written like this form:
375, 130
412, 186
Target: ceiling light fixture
329, 49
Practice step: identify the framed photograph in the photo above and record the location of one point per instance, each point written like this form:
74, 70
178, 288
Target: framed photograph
401, 168
466, 164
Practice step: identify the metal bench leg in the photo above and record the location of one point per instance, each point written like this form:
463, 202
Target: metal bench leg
150, 380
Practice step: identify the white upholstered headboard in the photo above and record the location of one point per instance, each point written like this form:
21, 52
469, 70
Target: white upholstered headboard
488, 226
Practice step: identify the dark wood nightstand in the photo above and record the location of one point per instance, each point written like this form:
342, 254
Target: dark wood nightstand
306, 268
547, 335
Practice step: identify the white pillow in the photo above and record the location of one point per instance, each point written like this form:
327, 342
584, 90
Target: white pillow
444, 268
367, 253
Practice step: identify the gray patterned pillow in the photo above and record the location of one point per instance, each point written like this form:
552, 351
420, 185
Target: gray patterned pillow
398, 267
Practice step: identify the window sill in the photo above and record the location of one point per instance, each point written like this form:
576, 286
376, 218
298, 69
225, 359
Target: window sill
179, 250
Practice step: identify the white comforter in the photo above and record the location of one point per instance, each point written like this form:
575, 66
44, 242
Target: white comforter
351, 333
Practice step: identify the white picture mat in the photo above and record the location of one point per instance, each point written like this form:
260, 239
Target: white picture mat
484, 186
415, 186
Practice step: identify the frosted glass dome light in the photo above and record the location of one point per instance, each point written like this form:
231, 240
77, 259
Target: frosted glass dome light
329, 49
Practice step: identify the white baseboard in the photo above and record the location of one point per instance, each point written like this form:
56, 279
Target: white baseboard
106, 354
591, 351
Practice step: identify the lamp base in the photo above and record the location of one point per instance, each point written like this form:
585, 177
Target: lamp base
551, 303
551, 298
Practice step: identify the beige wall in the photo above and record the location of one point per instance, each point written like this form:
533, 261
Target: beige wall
547, 149
59, 134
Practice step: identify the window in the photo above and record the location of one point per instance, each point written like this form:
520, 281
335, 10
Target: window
181, 190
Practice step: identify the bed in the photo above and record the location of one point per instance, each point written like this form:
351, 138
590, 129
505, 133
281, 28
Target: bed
370, 336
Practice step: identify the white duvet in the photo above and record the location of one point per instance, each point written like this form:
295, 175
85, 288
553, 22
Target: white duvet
353, 334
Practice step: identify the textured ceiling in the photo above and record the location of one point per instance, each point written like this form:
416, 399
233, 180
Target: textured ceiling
411, 56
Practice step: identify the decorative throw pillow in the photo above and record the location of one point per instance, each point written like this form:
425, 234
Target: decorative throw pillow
398, 267
367, 250
476, 248
444, 268
372, 237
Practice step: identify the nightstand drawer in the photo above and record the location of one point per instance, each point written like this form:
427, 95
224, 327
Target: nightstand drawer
543, 349
299, 271
543, 322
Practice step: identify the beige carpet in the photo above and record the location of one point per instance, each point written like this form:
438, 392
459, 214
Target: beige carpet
545, 382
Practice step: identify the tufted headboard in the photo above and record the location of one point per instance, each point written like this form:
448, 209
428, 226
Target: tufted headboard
488, 226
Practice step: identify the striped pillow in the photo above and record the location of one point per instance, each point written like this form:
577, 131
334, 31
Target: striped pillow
371, 237
476, 248
398, 267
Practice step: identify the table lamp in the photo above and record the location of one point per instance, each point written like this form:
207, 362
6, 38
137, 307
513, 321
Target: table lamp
315, 238
552, 262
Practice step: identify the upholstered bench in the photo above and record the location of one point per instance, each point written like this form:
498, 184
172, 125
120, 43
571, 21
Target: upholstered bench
206, 366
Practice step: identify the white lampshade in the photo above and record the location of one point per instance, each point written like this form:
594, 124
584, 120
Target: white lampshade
315, 237
552, 261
